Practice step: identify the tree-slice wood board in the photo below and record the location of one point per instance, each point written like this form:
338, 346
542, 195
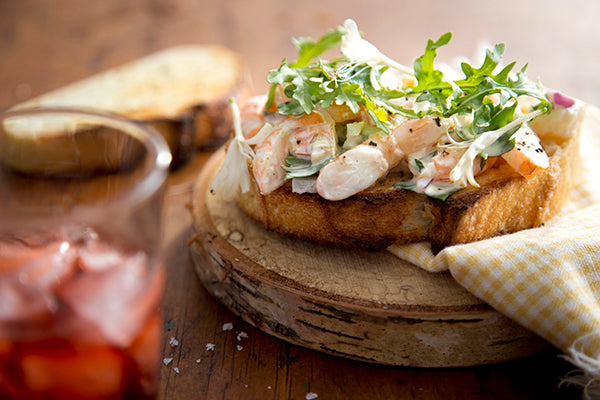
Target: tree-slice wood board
352, 303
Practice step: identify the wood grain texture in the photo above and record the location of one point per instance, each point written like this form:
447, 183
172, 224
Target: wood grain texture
349, 302
265, 367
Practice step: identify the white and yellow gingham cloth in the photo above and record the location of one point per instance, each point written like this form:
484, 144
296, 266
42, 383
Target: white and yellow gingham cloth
547, 279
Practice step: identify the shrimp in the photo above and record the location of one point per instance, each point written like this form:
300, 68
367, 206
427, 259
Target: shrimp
297, 135
304, 129
361, 166
305, 141
268, 159
527, 157
254, 117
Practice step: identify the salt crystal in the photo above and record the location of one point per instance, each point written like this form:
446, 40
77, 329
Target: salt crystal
167, 361
176, 370
173, 342
198, 361
210, 347
311, 396
242, 335
227, 326
239, 348
269, 387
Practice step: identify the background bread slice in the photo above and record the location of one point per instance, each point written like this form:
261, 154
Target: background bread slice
182, 91
382, 215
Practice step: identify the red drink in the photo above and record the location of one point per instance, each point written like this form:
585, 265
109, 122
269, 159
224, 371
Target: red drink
79, 319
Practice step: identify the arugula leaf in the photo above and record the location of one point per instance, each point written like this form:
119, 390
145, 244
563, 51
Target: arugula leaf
503, 145
300, 167
430, 81
308, 49
351, 82
419, 164
487, 94
346, 93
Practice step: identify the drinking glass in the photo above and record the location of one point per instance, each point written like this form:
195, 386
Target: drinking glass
81, 278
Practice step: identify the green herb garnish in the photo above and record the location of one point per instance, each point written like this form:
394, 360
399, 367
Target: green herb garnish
312, 81
419, 164
485, 96
299, 167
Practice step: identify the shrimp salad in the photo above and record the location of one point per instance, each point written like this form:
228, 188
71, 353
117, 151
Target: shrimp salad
335, 127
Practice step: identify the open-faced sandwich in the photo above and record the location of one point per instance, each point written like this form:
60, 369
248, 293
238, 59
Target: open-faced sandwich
360, 150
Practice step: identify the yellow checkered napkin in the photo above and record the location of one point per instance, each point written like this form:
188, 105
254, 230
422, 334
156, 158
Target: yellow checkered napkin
547, 279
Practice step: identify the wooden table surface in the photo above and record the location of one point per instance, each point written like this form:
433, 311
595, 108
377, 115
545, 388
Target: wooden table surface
45, 44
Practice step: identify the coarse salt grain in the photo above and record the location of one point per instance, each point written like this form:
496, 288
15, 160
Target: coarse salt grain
173, 342
167, 361
239, 348
227, 326
176, 370
210, 347
198, 361
242, 335
311, 396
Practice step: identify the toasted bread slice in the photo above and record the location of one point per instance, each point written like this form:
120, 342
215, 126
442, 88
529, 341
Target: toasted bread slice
183, 92
382, 215
374, 218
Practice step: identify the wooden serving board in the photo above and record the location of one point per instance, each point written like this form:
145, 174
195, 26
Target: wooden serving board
353, 303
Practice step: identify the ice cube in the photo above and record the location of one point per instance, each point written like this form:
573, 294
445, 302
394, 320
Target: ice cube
27, 285
55, 265
116, 300
18, 303
15, 253
99, 256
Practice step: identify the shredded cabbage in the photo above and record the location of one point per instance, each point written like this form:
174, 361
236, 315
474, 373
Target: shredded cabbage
234, 175
463, 172
362, 51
